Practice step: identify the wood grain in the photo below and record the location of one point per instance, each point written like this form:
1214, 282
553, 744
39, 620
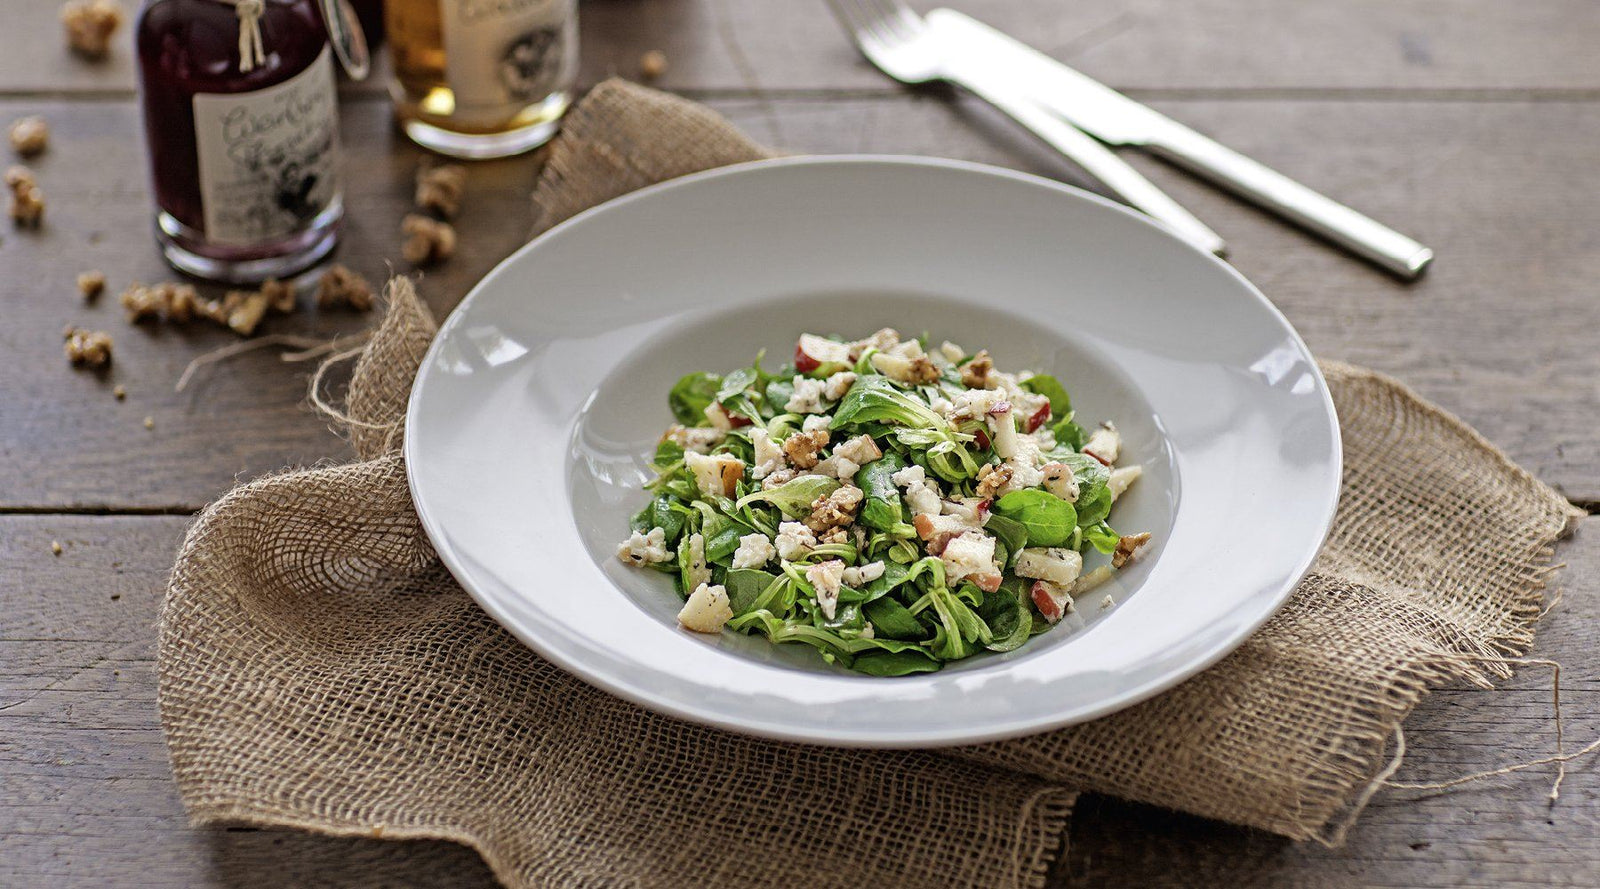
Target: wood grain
1468, 46
90, 802
1502, 331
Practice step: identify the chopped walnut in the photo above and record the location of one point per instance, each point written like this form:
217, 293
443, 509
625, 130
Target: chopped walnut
88, 348
439, 188
992, 478
342, 288
27, 200
652, 64
280, 296
781, 477
91, 284
975, 373
29, 135
120, 392
247, 311
55, 547
89, 25
177, 303
427, 240
840, 534
1128, 548
802, 447
836, 510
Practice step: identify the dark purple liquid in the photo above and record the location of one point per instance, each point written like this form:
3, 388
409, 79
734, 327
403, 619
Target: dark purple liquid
192, 46
370, 12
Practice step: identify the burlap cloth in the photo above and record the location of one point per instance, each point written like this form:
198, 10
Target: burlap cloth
319, 669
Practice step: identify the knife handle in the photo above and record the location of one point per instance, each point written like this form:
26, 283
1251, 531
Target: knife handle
1096, 159
1274, 191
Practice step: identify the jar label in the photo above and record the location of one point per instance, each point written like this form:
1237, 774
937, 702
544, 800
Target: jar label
501, 54
269, 159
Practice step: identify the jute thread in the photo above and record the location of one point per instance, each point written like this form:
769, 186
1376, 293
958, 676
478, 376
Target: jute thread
320, 669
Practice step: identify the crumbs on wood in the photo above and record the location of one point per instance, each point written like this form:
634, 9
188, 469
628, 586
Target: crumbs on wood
29, 135
428, 241
88, 348
239, 310
27, 199
89, 25
439, 188
91, 284
652, 64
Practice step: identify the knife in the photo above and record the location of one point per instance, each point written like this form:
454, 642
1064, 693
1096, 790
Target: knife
1118, 120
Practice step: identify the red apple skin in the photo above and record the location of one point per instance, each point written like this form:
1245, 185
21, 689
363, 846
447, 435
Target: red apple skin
803, 362
987, 582
1039, 417
1045, 602
737, 420
981, 438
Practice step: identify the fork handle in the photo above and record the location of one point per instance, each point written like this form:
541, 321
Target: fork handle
1098, 160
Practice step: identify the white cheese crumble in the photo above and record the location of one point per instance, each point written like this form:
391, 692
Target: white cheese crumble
707, 609
754, 551
865, 574
1104, 444
768, 454
971, 553
645, 549
826, 578
1058, 566
699, 572
837, 385
716, 474
794, 541
807, 397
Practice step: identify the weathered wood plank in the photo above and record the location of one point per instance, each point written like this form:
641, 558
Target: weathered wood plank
1502, 330
1133, 44
90, 802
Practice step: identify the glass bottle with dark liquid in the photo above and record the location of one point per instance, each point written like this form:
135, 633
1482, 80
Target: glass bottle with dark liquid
243, 132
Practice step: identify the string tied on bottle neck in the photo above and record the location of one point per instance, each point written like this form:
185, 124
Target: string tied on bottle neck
251, 50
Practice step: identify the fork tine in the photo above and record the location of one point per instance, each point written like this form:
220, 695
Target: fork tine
895, 19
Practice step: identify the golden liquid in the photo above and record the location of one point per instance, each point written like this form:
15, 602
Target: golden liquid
422, 88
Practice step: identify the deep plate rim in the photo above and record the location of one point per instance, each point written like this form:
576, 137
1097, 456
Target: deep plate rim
1261, 612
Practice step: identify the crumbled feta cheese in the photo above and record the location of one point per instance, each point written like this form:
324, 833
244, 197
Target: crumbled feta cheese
924, 498
912, 473
716, 474
865, 574
883, 340
1045, 438
645, 549
951, 352
699, 439
815, 423
1058, 566
754, 551
707, 609
1007, 441
1059, 480
970, 554
1107, 602
826, 578
860, 450
837, 466
807, 397
1122, 478
768, 455
837, 385
1104, 444
794, 541
942, 406
699, 572
974, 403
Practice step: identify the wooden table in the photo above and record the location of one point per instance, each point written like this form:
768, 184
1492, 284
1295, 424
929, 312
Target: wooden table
1473, 125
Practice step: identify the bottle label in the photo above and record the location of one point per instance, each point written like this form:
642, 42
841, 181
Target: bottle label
504, 53
269, 159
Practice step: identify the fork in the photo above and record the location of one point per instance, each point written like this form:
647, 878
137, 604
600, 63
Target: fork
899, 43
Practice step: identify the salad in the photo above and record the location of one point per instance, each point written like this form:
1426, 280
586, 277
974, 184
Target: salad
895, 507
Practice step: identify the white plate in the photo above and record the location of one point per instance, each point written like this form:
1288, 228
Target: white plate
537, 407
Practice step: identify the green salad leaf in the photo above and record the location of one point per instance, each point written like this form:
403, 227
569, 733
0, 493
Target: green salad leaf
793, 498
691, 396
1045, 518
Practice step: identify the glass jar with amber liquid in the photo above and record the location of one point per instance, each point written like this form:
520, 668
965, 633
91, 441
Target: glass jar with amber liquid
482, 78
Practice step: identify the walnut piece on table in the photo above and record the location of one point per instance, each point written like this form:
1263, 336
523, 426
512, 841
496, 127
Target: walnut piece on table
439, 188
428, 241
341, 288
29, 135
27, 199
91, 284
175, 303
89, 25
88, 348
652, 64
